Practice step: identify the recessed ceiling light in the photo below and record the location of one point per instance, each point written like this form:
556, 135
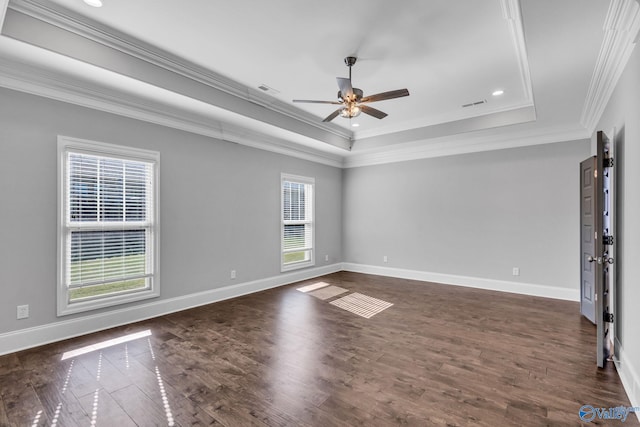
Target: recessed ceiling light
495, 93
355, 125
94, 3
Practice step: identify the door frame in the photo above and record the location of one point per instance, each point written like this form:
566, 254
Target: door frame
602, 253
613, 276
604, 221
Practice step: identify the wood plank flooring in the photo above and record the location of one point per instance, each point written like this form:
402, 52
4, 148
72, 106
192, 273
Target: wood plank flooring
441, 355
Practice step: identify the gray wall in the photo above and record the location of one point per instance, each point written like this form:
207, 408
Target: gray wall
623, 113
476, 215
219, 204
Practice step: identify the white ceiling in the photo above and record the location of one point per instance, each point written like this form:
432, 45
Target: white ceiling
446, 56
542, 53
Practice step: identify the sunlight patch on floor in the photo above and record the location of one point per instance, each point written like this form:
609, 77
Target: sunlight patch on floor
92, 412
312, 287
105, 344
36, 419
328, 292
362, 305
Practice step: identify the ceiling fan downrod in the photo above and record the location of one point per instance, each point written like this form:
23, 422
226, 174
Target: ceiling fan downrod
352, 99
350, 61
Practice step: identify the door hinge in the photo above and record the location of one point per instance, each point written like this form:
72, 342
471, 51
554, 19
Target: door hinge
607, 240
608, 162
607, 317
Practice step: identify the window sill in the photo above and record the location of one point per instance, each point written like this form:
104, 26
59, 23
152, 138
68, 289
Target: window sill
65, 308
297, 266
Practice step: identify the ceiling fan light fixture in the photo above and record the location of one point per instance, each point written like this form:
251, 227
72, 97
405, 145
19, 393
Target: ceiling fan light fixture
351, 110
353, 100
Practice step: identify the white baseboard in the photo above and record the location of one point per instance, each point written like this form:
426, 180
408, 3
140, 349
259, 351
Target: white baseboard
471, 282
32, 337
629, 377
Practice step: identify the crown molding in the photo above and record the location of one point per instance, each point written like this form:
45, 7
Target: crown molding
477, 123
465, 143
3, 10
51, 84
26, 78
511, 12
621, 28
435, 121
46, 83
622, 18
69, 21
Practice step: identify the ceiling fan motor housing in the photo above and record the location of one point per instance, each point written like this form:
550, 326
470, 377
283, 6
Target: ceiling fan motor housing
350, 60
357, 95
352, 99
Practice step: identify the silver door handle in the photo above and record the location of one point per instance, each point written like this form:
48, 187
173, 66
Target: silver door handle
598, 259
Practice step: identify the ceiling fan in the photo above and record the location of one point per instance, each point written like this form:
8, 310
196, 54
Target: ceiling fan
352, 99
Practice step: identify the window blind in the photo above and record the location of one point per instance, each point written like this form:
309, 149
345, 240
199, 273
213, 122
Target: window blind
109, 225
297, 221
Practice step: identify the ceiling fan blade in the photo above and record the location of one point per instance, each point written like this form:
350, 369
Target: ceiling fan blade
345, 87
317, 102
386, 95
373, 112
332, 115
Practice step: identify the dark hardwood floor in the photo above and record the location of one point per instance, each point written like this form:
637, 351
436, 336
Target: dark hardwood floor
441, 355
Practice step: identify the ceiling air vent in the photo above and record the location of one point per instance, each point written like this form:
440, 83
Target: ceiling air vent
268, 89
473, 104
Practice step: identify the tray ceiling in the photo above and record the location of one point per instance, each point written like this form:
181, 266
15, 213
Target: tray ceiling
542, 53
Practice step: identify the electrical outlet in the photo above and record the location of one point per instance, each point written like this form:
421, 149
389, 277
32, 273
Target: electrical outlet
233, 274
326, 258
385, 259
22, 312
516, 271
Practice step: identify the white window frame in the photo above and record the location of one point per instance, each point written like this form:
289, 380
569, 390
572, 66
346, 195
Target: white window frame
68, 145
307, 181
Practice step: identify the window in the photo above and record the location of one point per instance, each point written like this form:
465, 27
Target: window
108, 225
297, 222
